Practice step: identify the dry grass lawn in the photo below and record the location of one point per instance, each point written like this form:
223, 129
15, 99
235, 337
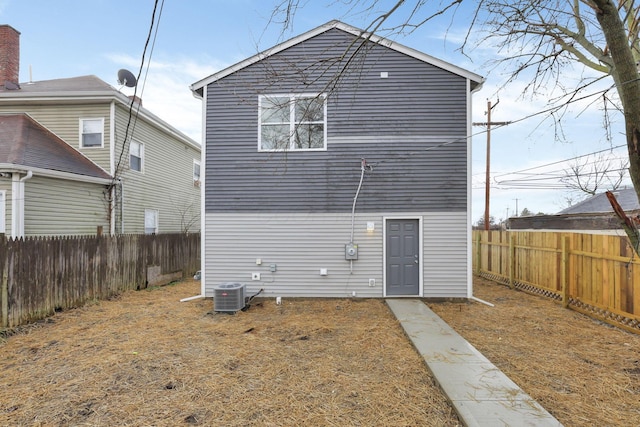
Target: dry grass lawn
584, 372
146, 359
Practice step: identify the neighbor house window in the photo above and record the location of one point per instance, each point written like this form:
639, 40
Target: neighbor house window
150, 221
196, 172
292, 122
136, 156
91, 133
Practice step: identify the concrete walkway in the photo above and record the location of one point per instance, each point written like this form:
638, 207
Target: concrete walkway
481, 394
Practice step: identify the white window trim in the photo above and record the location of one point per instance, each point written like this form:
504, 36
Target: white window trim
80, 126
292, 124
157, 218
141, 157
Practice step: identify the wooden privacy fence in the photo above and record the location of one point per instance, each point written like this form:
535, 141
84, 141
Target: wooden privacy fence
42, 275
598, 275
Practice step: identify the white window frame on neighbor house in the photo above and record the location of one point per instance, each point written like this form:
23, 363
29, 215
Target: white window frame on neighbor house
139, 155
196, 173
280, 114
150, 221
90, 127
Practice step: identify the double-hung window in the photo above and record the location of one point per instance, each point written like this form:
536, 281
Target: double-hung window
292, 122
91, 133
196, 172
136, 156
150, 221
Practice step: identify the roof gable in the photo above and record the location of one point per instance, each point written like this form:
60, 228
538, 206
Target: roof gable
476, 79
25, 143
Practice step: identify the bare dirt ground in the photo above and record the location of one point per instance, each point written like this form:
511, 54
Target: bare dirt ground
146, 359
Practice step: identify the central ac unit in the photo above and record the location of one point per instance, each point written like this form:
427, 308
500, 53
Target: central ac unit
229, 297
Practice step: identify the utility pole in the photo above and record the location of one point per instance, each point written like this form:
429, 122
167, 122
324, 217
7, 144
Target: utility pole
517, 211
488, 124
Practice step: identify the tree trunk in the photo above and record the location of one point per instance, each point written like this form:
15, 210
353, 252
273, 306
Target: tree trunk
625, 75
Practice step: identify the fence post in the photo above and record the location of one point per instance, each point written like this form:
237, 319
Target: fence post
478, 251
512, 260
564, 271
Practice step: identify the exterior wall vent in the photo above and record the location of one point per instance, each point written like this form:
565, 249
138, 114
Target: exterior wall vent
229, 297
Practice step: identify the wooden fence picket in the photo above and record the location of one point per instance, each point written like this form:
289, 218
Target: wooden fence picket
44, 274
595, 274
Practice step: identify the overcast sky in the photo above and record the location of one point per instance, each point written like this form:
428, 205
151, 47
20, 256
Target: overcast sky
195, 38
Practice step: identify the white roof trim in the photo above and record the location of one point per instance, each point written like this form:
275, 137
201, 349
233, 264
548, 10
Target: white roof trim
50, 173
342, 26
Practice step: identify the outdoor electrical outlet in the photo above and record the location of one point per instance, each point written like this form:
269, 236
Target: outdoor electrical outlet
255, 276
372, 282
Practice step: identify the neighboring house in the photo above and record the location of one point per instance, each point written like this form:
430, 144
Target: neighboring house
351, 187
593, 213
78, 157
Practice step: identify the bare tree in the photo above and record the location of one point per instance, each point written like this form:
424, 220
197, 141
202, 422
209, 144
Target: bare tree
538, 40
588, 174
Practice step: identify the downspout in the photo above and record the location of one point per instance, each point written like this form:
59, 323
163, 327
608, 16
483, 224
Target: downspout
203, 172
469, 196
17, 206
121, 205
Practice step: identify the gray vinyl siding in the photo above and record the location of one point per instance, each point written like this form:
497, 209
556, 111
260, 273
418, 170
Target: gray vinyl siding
165, 184
300, 244
57, 207
445, 245
411, 126
64, 121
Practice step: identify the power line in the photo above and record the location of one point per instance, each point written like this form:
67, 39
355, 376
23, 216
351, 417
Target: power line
133, 116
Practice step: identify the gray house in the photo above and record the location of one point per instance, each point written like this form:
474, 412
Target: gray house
338, 164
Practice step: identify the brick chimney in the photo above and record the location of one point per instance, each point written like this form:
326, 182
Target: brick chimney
9, 57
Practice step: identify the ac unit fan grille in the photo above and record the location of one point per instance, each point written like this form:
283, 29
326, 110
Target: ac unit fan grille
229, 297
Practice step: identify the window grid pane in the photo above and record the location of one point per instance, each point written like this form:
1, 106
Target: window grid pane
292, 123
92, 133
135, 156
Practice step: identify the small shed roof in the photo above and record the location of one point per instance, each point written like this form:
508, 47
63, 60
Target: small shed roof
476, 79
26, 144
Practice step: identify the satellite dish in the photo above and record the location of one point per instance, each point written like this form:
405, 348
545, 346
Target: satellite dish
126, 77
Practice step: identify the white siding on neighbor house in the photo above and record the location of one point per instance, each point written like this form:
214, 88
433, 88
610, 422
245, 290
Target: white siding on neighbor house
64, 121
57, 207
301, 244
165, 184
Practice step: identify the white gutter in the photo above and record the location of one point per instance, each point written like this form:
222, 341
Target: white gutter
48, 173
